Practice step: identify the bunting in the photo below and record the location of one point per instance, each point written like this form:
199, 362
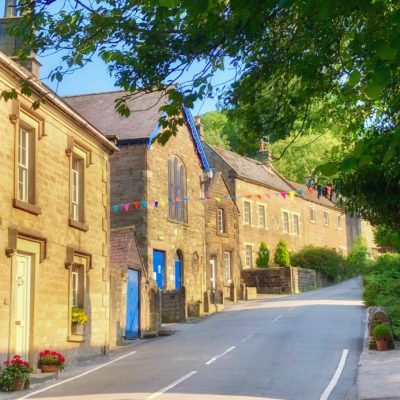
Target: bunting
161, 203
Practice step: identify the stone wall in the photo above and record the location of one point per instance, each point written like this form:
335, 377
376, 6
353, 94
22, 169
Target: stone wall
173, 305
46, 228
280, 280
217, 243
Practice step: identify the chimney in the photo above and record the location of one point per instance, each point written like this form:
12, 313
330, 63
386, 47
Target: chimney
10, 44
264, 154
199, 127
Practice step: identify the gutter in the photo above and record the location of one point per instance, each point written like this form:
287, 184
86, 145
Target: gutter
50, 95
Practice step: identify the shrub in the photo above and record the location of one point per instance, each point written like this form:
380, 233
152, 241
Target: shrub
387, 237
49, 357
382, 331
358, 259
320, 259
282, 254
263, 256
382, 287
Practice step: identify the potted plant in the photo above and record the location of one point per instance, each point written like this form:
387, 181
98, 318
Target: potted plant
15, 375
51, 361
382, 334
78, 318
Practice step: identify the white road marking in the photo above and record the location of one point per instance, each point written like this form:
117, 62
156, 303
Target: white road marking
335, 377
75, 377
211, 360
173, 384
290, 309
247, 337
276, 319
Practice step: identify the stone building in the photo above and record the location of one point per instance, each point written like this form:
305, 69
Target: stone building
54, 223
222, 241
272, 208
159, 190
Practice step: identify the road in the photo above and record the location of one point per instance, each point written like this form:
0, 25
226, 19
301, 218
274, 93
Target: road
289, 348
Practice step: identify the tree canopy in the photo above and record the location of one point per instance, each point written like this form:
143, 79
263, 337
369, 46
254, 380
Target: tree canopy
338, 59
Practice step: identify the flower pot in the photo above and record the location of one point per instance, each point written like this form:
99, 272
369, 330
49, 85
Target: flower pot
77, 329
18, 384
381, 344
49, 368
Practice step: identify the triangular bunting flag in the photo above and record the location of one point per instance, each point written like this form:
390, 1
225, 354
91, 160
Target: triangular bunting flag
162, 203
291, 194
156, 204
217, 199
136, 204
126, 206
143, 203
283, 194
177, 199
115, 208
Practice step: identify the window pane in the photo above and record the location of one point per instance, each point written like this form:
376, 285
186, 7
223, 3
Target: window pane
326, 218
286, 222
296, 227
182, 193
249, 251
247, 213
227, 266
23, 166
261, 216
220, 220
170, 189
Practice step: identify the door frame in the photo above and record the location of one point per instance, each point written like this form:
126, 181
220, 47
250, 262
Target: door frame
138, 270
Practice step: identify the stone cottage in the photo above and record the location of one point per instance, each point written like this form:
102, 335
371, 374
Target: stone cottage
54, 222
272, 208
222, 242
159, 190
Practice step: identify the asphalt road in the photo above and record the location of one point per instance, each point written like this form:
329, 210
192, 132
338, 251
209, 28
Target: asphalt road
290, 348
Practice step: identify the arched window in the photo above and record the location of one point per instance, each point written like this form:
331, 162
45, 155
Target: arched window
177, 210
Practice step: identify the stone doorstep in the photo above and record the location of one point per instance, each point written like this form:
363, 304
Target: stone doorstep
40, 377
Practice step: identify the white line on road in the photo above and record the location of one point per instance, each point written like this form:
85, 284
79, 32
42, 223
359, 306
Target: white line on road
211, 360
247, 337
276, 319
290, 309
75, 377
335, 377
173, 384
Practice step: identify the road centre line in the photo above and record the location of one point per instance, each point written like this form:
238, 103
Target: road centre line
276, 319
76, 377
247, 338
211, 360
172, 385
335, 377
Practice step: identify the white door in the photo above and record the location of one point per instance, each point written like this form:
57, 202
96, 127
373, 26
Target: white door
22, 308
213, 277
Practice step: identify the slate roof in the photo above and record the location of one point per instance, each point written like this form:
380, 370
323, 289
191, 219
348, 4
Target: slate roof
99, 109
251, 169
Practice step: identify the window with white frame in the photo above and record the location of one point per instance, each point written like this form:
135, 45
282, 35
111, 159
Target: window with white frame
313, 216
261, 216
221, 220
77, 189
340, 221
227, 267
249, 256
326, 218
247, 212
26, 166
296, 225
285, 216
77, 286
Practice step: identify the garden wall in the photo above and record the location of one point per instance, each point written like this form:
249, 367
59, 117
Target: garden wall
281, 280
173, 305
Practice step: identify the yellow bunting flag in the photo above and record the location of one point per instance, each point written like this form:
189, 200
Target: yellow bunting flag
291, 194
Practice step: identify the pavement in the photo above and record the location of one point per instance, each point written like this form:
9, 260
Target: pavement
379, 374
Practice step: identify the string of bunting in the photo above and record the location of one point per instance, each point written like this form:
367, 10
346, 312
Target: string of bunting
161, 203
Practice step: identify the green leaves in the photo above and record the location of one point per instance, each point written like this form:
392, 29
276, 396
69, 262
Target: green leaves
354, 78
387, 52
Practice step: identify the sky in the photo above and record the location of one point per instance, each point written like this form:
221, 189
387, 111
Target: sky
94, 78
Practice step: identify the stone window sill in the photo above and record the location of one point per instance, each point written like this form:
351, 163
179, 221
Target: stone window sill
28, 207
174, 221
223, 234
76, 338
78, 225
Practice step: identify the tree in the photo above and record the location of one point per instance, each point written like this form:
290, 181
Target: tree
338, 59
387, 237
282, 254
262, 260
358, 258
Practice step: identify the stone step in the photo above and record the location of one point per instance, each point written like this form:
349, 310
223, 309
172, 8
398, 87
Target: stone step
40, 377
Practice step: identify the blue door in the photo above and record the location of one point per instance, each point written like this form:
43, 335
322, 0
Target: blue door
158, 267
132, 305
178, 272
